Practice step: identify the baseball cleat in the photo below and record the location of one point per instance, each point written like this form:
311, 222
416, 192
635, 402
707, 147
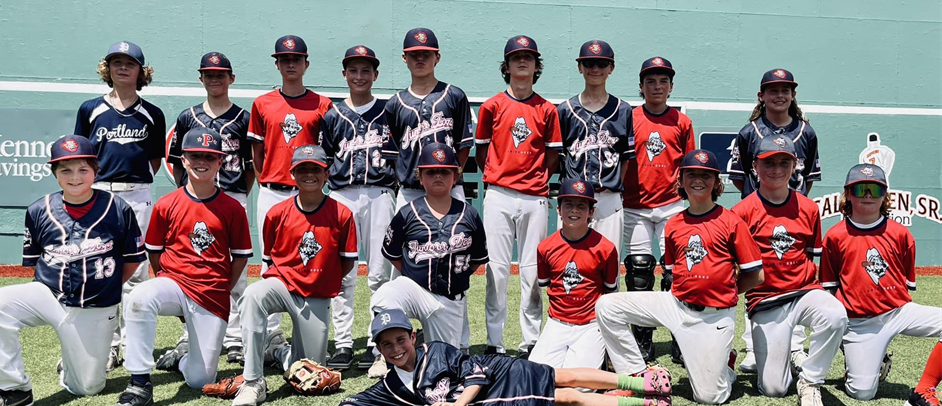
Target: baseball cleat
342, 359
657, 381
525, 353
492, 350
251, 393
809, 394
366, 361
16, 397
927, 398
235, 355
748, 364
885, 366
114, 359
798, 358
135, 395
379, 368
170, 361
644, 336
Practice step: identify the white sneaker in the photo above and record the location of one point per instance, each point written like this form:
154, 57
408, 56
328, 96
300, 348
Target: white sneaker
378, 370
809, 394
748, 364
251, 393
798, 358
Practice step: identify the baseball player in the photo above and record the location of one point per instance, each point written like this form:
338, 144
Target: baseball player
354, 133
518, 140
576, 265
439, 374
75, 289
198, 242
310, 245
776, 113
598, 139
436, 242
869, 263
924, 394
236, 175
662, 135
704, 244
128, 135
787, 227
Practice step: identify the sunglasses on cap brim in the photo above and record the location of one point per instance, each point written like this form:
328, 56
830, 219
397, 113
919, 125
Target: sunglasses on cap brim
861, 189
592, 63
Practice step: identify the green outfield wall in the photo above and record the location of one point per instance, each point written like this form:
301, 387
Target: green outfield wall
862, 67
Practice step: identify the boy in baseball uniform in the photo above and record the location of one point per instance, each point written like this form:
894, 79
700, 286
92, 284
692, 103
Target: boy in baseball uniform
310, 245
198, 242
83, 244
704, 244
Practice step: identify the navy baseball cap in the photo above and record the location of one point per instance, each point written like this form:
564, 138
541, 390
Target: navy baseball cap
126, 48
387, 319
657, 64
71, 147
596, 49
520, 43
778, 76
437, 155
308, 153
865, 173
570, 187
700, 159
290, 44
420, 39
776, 144
215, 61
203, 139
360, 52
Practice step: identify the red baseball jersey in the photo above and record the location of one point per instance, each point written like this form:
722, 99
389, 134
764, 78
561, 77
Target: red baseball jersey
701, 251
872, 268
304, 249
283, 124
661, 141
789, 236
518, 133
196, 239
575, 274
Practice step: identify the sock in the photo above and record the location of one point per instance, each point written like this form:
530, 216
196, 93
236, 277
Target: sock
933, 372
625, 401
632, 383
140, 380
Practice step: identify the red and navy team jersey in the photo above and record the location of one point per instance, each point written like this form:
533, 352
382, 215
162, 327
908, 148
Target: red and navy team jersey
661, 141
789, 236
517, 134
81, 260
233, 126
747, 144
597, 143
283, 123
438, 254
444, 116
304, 250
196, 239
702, 251
125, 141
872, 269
356, 143
575, 274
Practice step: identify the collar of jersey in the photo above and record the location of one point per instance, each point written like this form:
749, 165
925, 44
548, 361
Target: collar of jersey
520, 100
768, 203
306, 92
867, 227
198, 200
648, 112
789, 128
716, 207
581, 239
316, 209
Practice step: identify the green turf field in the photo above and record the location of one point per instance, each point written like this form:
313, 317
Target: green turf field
41, 351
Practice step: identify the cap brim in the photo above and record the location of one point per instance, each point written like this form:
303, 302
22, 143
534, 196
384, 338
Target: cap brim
318, 163
212, 151
275, 55
71, 157
706, 168
771, 153
667, 69
791, 82
437, 166
866, 180
390, 327
213, 68
579, 196
371, 59
419, 48
523, 49
596, 57
113, 54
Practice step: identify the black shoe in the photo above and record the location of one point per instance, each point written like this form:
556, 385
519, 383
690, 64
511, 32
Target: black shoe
16, 397
676, 356
491, 350
419, 338
137, 395
366, 361
342, 359
235, 355
525, 353
170, 361
645, 338
927, 398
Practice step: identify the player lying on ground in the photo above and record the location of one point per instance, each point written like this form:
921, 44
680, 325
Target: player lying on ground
925, 394
703, 246
83, 244
439, 374
869, 263
787, 227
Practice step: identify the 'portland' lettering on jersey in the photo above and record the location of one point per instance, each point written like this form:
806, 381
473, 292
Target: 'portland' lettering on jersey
121, 134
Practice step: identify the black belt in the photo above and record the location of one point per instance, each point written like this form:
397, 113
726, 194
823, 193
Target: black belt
693, 306
279, 187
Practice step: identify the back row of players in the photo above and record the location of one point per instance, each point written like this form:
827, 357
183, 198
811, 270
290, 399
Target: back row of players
626, 158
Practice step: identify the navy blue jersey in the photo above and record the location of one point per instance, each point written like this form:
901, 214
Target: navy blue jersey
233, 126
438, 254
356, 144
442, 372
125, 141
747, 144
444, 116
81, 260
597, 143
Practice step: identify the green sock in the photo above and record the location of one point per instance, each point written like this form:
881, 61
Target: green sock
631, 383
625, 401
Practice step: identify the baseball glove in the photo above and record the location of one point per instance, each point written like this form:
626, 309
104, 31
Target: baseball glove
226, 388
310, 378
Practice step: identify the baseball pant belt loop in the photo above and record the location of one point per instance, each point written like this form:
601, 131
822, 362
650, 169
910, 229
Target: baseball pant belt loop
279, 187
120, 186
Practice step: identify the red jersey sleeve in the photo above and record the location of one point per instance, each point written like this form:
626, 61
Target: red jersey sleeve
610, 273
831, 262
554, 138
482, 134
241, 242
542, 267
157, 229
349, 231
668, 250
747, 253
690, 144
269, 231
908, 260
256, 131
815, 245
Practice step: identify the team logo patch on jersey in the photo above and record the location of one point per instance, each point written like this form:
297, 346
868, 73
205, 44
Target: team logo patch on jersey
309, 247
360, 51
439, 155
70, 145
520, 131
657, 61
571, 277
290, 128
779, 74
439, 393
595, 48
289, 43
694, 251
523, 41
421, 37
200, 238
868, 172
875, 265
654, 146
781, 242
214, 59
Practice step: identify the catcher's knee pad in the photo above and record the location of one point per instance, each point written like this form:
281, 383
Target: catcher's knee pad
639, 275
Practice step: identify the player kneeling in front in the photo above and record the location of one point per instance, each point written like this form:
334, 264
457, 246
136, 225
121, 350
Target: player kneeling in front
75, 240
436, 373
310, 245
198, 241
576, 265
869, 263
703, 245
